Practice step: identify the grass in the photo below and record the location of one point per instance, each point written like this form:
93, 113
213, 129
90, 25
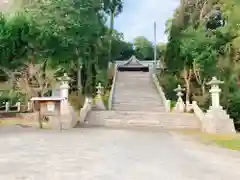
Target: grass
6, 122
230, 141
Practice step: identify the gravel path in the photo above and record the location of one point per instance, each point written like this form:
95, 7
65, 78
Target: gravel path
104, 154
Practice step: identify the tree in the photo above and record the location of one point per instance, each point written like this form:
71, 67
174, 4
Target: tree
143, 48
113, 8
203, 41
76, 32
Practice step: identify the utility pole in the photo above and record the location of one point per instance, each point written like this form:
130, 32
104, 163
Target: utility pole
110, 33
155, 46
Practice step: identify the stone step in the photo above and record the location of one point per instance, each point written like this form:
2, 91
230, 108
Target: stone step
135, 91
137, 103
142, 118
136, 107
137, 100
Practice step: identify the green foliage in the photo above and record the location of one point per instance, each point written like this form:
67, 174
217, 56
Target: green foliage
10, 96
74, 35
234, 106
143, 48
169, 83
204, 42
76, 100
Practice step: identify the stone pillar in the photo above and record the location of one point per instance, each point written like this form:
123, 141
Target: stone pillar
18, 104
215, 93
29, 106
99, 102
180, 106
7, 106
110, 65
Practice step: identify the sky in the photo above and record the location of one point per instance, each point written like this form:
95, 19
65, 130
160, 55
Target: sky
138, 16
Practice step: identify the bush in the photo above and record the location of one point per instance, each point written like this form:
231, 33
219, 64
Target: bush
105, 98
10, 96
234, 109
169, 82
77, 101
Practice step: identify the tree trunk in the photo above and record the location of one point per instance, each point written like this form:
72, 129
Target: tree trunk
187, 75
40, 119
79, 83
89, 75
187, 89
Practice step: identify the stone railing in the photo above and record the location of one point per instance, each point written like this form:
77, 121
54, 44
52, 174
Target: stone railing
199, 114
166, 103
87, 107
110, 98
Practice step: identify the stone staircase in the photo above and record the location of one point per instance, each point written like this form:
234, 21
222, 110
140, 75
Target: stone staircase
135, 92
142, 118
137, 103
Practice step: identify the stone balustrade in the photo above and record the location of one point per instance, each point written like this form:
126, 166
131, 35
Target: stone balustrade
87, 107
110, 98
166, 103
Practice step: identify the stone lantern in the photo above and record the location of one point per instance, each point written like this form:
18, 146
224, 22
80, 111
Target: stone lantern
216, 119
179, 90
180, 106
64, 85
215, 93
99, 101
99, 89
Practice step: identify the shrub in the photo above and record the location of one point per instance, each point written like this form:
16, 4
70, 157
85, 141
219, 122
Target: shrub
233, 109
77, 101
169, 82
105, 98
10, 96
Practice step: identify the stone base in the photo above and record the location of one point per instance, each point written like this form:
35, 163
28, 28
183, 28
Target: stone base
55, 123
67, 119
99, 105
179, 107
218, 121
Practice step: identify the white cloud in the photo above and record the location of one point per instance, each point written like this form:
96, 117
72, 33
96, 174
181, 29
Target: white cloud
138, 19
